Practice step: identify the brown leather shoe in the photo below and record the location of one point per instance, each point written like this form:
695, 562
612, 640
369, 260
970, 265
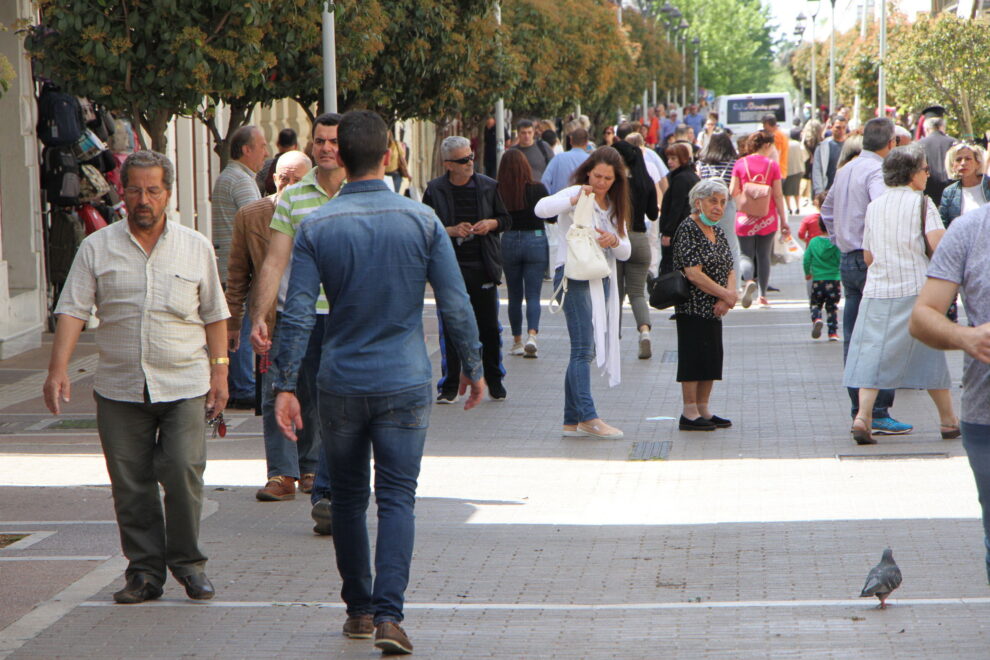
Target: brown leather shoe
360, 626
391, 639
306, 482
278, 489
139, 588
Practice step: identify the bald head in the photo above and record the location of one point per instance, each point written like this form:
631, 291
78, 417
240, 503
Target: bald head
290, 168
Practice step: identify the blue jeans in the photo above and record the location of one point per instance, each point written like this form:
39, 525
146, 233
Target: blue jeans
853, 271
393, 427
240, 377
976, 440
524, 260
578, 404
284, 457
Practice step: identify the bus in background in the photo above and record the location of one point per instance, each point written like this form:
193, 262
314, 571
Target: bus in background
743, 113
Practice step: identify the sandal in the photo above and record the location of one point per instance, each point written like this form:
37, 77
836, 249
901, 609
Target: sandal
599, 430
862, 436
949, 431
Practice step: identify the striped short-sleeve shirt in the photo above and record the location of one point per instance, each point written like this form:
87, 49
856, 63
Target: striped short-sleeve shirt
296, 203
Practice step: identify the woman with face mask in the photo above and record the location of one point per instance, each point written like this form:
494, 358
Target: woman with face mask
702, 253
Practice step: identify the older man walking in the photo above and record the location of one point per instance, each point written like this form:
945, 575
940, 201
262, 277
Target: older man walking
162, 372
374, 373
844, 214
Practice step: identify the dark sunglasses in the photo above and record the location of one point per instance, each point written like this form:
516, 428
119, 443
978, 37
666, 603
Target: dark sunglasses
461, 161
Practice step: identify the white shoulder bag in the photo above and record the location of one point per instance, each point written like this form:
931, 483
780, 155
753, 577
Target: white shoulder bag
585, 257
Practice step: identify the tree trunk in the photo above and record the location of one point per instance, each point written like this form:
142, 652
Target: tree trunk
240, 115
155, 122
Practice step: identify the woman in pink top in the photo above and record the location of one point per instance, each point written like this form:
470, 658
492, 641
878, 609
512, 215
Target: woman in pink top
756, 234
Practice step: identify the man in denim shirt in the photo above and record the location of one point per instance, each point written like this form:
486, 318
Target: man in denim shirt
373, 251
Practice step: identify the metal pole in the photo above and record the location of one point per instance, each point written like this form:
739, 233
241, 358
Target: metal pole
329, 59
683, 74
882, 80
831, 64
654, 92
696, 53
814, 84
499, 111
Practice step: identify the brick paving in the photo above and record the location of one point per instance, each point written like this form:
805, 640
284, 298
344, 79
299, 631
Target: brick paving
746, 543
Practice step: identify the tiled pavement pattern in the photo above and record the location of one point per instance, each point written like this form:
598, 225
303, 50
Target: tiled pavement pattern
747, 543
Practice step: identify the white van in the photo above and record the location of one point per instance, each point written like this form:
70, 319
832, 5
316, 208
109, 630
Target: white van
743, 113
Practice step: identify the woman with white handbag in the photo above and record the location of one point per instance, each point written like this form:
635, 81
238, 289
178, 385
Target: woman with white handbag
593, 214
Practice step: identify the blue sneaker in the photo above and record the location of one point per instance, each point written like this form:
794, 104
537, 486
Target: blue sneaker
890, 426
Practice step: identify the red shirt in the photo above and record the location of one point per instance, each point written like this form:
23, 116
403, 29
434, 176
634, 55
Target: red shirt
810, 228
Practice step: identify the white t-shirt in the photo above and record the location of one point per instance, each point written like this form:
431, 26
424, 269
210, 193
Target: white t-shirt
892, 234
972, 198
652, 158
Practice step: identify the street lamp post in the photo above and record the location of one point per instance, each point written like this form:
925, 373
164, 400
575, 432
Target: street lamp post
684, 27
831, 63
799, 33
499, 108
882, 81
329, 59
695, 43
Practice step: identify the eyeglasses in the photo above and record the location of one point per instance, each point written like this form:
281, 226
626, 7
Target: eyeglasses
461, 161
925, 169
133, 191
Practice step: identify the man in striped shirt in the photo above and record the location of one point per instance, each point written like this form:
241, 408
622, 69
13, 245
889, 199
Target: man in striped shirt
297, 461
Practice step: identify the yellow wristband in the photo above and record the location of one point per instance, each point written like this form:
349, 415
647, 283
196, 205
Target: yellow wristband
222, 360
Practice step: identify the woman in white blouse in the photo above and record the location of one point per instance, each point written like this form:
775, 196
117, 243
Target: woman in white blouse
882, 355
591, 307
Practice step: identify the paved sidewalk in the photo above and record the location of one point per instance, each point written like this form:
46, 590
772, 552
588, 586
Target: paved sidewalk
747, 543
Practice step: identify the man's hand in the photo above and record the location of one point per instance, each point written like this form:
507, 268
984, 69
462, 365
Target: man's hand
976, 342
482, 227
665, 241
216, 398
261, 341
57, 388
477, 390
460, 230
233, 340
288, 414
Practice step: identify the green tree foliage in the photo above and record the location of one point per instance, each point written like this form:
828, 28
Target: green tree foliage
736, 43
942, 61
7, 75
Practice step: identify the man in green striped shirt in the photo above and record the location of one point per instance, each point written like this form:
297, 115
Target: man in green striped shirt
291, 461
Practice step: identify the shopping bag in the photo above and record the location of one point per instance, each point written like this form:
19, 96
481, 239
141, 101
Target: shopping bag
785, 249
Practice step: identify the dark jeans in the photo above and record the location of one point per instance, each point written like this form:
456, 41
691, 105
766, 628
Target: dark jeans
147, 444
393, 428
240, 377
524, 260
853, 271
484, 300
976, 440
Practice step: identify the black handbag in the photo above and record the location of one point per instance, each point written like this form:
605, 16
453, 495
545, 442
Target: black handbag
669, 289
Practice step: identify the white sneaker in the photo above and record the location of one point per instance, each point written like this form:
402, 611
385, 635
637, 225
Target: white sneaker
748, 291
529, 350
645, 349
517, 348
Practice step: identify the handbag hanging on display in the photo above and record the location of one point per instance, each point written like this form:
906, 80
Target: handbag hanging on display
669, 289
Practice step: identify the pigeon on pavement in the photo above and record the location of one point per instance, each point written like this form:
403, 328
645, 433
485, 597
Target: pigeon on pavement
883, 579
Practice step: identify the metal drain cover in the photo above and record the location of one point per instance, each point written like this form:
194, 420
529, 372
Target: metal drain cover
890, 457
650, 451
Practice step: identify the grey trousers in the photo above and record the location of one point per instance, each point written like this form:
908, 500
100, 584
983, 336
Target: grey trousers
146, 444
632, 278
754, 260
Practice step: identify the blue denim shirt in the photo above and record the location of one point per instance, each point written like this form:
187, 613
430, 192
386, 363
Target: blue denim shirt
373, 251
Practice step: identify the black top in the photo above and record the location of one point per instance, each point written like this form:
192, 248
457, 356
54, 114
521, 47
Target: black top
675, 206
468, 250
525, 219
692, 248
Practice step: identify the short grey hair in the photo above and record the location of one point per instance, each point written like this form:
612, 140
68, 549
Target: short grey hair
979, 155
451, 144
933, 124
877, 133
147, 158
902, 163
635, 139
705, 189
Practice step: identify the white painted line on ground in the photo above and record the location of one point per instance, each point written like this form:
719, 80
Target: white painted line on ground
45, 423
59, 558
54, 522
573, 607
28, 541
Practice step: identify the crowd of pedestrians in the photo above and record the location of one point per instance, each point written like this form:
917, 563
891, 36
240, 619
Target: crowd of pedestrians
283, 322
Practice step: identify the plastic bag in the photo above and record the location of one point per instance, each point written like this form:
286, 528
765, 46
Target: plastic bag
786, 250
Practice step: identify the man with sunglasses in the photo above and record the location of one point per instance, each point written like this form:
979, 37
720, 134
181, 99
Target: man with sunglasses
471, 210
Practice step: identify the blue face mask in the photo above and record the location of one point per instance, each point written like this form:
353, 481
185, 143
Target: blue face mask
705, 219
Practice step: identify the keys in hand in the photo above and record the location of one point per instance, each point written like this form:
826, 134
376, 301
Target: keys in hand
218, 425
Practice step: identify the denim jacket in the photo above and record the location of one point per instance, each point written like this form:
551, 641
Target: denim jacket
373, 251
950, 207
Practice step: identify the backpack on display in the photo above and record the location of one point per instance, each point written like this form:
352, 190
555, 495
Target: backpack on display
60, 118
60, 176
754, 200
92, 185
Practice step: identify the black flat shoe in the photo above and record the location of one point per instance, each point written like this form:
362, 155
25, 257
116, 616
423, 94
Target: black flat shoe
720, 422
699, 424
198, 586
138, 589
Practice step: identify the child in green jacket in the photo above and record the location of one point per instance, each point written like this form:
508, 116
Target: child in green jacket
821, 266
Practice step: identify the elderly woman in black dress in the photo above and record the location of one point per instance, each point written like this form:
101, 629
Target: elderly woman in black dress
702, 252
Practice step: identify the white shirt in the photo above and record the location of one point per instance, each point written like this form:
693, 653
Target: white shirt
972, 198
153, 309
659, 170
604, 312
892, 234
